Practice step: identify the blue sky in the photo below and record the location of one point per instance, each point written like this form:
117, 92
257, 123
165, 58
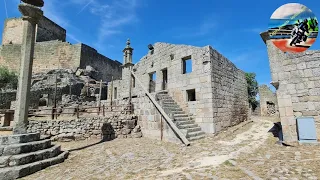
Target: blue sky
231, 26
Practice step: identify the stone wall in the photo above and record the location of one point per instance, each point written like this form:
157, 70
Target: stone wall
47, 55
106, 66
51, 55
109, 127
230, 94
47, 30
297, 80
268, 101
150, 120
208, 94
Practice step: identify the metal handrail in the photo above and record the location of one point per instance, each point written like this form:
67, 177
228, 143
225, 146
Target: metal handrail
163, 113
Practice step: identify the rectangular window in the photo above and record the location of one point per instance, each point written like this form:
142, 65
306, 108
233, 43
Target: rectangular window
152, 82
186, 65
115, 93
191, 95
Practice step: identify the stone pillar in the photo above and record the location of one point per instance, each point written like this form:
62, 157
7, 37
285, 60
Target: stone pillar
288, 121
31, 16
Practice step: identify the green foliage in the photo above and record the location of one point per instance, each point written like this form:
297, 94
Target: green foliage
8, 79
252, 89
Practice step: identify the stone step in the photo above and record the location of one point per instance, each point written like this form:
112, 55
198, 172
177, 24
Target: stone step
19, 138
178, 112
162, 92
16, 172
170, 106
182, 118
14, 149
184, 122
168, 101
196, 133
21, 159
186, 126
193, 129
180, 115
161, 97
194, 138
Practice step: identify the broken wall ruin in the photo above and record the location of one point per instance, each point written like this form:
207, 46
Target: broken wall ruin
268, 102
219, 98
297, 80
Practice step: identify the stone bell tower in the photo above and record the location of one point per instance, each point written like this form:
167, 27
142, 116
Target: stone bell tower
126, 70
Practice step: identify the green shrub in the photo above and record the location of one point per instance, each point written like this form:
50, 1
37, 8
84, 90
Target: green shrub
8, 79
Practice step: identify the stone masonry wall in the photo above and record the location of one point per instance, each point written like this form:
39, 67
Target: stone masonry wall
12, 31
110, 127
48, 55
106, 66
298, 79
169, 56
47, 30
206, 107
149, 119
230, 96
266, 95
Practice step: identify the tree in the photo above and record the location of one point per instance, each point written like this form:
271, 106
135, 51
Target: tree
8, 79
252, 89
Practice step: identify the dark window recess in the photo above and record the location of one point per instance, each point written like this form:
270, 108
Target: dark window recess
186, 65
171, 56
191, 95
152, 82
115, 93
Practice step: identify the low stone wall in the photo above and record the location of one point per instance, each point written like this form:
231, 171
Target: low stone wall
108, 128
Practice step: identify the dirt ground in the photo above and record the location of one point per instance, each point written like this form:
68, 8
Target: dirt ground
246, 151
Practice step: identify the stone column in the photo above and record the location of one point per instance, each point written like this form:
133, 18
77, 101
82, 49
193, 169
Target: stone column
288, 122
31, 16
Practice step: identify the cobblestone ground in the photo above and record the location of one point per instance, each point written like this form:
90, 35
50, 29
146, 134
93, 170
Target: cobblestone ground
248, 144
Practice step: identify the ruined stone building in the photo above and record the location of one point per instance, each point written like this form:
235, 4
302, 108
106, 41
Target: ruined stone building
208, 96
296, 78
197, 87
268, 102
52, 51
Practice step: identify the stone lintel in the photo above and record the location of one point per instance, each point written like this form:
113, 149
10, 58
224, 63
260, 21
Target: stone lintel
30, 13
265, 36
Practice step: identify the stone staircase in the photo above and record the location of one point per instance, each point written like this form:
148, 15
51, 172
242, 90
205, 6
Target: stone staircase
183, 121
24, 154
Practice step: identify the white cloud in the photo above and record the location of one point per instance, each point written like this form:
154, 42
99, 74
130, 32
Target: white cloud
287, 10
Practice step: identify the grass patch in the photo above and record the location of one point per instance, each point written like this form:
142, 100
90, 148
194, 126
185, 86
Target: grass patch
228, 163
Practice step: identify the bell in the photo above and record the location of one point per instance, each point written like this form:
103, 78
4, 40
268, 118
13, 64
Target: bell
38, 3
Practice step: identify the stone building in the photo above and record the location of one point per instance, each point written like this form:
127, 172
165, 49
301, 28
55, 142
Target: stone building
211, 94
52, 51
296, 78
268, 101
